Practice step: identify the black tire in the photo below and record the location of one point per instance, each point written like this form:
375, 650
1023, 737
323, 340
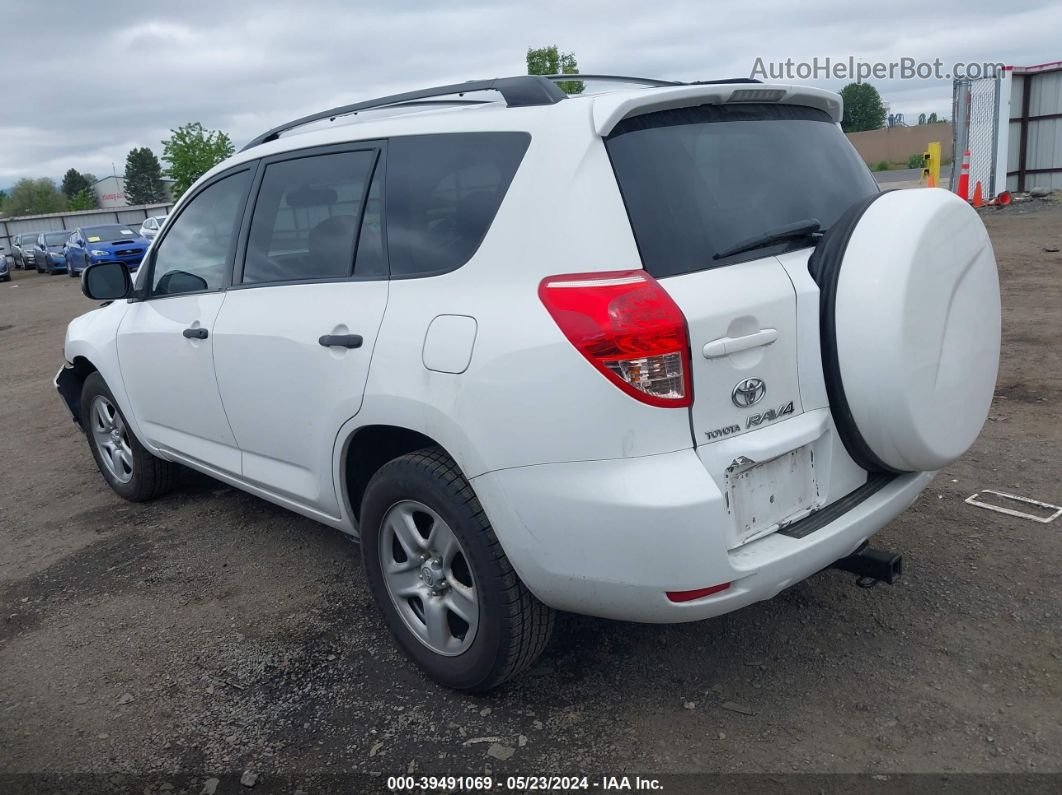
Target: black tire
514, 627
151, 477
825, 268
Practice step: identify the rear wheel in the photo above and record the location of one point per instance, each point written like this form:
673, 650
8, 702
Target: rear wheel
125, 464
440, 577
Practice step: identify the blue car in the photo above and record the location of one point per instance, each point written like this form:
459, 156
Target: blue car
106, 243
49, 254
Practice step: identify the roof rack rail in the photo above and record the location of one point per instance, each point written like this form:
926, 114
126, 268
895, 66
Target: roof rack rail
518, 92
645, 81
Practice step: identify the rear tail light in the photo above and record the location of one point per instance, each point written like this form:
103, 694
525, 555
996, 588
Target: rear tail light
629, 328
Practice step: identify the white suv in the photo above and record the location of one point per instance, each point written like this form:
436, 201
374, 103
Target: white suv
652, 353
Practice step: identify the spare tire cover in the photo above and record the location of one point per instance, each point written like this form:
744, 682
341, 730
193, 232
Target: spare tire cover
910, 328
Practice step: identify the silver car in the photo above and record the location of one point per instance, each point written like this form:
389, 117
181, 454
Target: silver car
151, 226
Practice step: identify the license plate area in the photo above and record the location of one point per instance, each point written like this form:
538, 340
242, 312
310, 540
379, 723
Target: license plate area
762, 496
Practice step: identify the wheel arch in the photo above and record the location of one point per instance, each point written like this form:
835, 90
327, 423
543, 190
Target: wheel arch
369, 447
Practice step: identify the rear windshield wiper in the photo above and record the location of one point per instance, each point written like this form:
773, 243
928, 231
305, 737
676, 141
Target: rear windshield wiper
809, 226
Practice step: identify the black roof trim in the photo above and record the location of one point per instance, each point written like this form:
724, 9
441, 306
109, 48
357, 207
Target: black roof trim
518, 92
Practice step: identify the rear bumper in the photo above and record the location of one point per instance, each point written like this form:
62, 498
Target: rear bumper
610, 538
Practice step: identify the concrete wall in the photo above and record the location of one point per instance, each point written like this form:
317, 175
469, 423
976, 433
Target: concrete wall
896, 144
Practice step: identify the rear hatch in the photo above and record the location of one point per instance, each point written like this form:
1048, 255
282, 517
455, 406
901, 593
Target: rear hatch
699, 183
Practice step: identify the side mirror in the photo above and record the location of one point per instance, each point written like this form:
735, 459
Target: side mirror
106, 281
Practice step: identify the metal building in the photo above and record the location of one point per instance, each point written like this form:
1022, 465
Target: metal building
1034, 141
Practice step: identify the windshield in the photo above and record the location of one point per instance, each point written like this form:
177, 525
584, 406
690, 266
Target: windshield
699, 181
104, 234
56, 238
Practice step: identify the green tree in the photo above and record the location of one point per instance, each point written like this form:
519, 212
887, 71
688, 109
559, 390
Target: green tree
74, 182
34, 197
190, 152
551, 61
863, 108
143, 178
932, 118
85, 200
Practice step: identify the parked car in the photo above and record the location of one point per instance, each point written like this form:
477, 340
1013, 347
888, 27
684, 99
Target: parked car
104, 243
22, 249
49, 252
151, 226
5, 266
735, 363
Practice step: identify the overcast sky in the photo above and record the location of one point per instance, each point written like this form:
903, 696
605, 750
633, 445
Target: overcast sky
86, 82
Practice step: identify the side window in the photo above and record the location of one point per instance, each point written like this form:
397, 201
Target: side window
194, 255
306, 218
443, 192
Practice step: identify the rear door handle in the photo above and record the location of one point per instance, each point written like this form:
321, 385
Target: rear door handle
197, 333
724, 346
340, 340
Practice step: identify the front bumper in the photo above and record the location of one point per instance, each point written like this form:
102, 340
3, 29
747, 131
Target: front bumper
68, 385
131, 264
610, 538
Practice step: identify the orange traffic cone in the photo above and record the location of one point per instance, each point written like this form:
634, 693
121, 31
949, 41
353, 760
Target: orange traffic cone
932, 182
963, 188
978, 199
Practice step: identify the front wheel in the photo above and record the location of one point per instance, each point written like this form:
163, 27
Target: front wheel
125, 464
441, 579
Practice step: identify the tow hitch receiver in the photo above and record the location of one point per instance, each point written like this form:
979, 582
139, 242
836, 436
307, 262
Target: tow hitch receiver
877, 565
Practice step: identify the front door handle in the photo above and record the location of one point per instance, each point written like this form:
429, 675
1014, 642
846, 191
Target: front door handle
340, 340
197, 333
724, 346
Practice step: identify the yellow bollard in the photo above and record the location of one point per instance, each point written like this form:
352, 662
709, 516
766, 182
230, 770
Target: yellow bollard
931, 165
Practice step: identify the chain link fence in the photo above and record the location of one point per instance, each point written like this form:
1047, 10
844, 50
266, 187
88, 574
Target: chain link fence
975, 111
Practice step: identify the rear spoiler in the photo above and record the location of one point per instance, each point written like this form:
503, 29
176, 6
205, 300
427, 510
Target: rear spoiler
610, 109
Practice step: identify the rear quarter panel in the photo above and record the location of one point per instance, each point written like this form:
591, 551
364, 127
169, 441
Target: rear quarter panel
527, 397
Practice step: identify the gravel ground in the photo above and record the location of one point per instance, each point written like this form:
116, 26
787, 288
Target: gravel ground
211, 633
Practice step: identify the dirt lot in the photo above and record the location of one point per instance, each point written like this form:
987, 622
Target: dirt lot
211, 632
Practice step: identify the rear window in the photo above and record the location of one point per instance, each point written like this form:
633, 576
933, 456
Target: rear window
442, 193
697, 181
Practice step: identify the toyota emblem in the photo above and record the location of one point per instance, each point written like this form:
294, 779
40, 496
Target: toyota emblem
748, 392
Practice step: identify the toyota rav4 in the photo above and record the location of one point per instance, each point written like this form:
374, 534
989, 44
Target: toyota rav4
651, 353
